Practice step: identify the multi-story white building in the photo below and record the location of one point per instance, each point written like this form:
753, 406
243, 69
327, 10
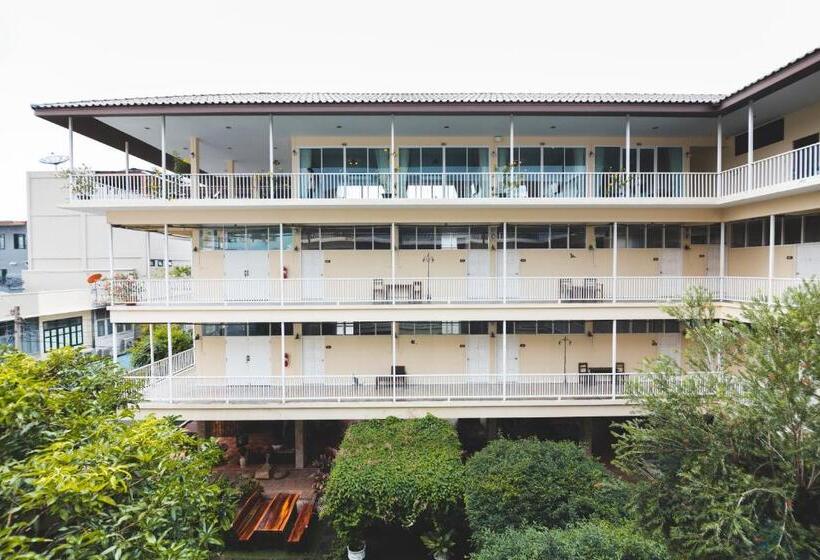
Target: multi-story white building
55, 252
470, 255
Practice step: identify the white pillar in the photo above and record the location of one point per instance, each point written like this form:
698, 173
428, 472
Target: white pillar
771, 256
162, 158
299, 444
111, 284
614, 261
71, 143
270, 147
281, 264
167, 269
750, 145
127, 157
719, 156
504, 265
614, 354
282, 357
504, 360
627, 143
512, 147
393, 358
151, 346
170, 347
722, 259
392, 159
393, 236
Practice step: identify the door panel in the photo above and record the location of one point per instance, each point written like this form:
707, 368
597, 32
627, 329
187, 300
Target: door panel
513, 272
313, 356
512, 356
259, 350
671, 262
478, 357
670, 345
808, 260
236, 356
712, 260
252, 272
478, 270
313, 264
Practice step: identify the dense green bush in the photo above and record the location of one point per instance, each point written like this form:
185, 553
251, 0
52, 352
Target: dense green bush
396, 472
586, 541
141, 350
530, 482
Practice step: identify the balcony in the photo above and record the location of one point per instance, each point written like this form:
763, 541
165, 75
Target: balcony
783, 173
291, 292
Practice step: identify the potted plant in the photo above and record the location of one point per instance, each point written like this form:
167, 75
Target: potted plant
356, 548
439, 542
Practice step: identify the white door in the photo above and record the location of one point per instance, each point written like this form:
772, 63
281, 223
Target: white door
249, 273
808, 260
259, 364
670, 345
478, 273
712, 260
236, 357
513, 265
313, 266
512, 355
478, 357
313, 356
671, 262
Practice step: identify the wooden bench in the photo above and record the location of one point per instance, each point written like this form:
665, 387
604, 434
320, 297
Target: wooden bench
276, 515
302, 523
248, 516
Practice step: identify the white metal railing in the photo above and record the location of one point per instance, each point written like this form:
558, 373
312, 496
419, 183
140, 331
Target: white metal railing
782, 169
438, 291
180, 362
426, 387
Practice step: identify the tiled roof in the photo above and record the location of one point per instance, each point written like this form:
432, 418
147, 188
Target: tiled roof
376, 98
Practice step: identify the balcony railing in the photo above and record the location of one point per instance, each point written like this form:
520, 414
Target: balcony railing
786, 170
352, 388
154, 372
439, 291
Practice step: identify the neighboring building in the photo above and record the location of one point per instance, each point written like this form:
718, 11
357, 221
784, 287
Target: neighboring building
62, 248
469, 255
13, 255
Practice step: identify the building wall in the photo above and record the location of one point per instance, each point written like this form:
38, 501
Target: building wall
13, 261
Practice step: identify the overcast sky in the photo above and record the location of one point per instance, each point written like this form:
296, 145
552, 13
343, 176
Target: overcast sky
57, 50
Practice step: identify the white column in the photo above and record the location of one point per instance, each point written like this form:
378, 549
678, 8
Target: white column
281, 264
504, 360
162, 158
392, 159
771, 256
111, 284
282, 356
71, 143
170, 350
270, 147
719, 156
750, 145
393, 358
393, 237
512, 147
614, 261
614, 353
627, 143
722, 259
167, 269
504, 265
151, 345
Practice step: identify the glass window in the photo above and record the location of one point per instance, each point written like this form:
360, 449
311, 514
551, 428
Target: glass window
560, 327
407, 237
287, 238
603, 237
258, 239
276, 329
737, 234
451, 237
714, 234
607, 159
553, 160
531, 237
793, 229
602, 327
811, 225
332, 160
63, 332
311, 329
356, 160
19, 240
521, 327
213, 329
754, 233
479, 237
381, 237
432, 160
2, 240
577, 327
364, 238
698, 235
258, 329
425, 237
311, 239
559, 236
638, 326
577, 236
671, 326
211, 239
654, 236
672, 237
236, 329
337, 238
636, 236
236, 239
343, 329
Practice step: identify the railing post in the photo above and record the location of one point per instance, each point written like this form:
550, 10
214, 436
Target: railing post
719, 156
162, 157
392, 159
281, 264
614, 353
614, 262
504, 266
771, 258
722, 265
166, 267
750, 146
504, 360
393, 341
151, 347
282, 356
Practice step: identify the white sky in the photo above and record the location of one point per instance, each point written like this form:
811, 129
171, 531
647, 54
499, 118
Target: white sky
58, 50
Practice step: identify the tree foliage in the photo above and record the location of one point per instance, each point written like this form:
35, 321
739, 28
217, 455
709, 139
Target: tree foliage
728, 462
514, 483
392, 471
81, 478
592, 540
141, 350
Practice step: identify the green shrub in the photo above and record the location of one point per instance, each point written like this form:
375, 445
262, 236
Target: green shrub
141, 350
396, 472
530, 482
597, 540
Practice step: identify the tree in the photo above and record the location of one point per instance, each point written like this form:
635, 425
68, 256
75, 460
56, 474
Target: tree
515, 483
728, 462
587, 541
80, 477
395, 472
141, 350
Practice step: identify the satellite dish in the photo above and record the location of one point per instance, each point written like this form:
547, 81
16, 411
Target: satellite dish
53, 159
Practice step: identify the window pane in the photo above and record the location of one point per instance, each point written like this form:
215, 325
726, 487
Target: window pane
607, 159
425, 237
431, 160
531, 237
332, 160
575, 160
714, 234
479, 327
737, 234
754, 233
235, 239
698, 235
654, 236
812, 227
258, 329
236, 329
672, 237
311, 240
603, 237
577, 236
364, 238
635, 236
406, 327
213, 329
381, 237
639, 326
577, 327
559, 236
337, 238
553, 160
524, 327
456, 160
356, 160
258, 239
671, 326
529, 160
452, 237
211, 239
560, 327
479, 237
287, 238
793, 229
407, 237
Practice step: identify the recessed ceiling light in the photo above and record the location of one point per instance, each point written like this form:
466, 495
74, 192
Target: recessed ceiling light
228, 127
147, 128
552, 126
338, 126
655, 128
446, 126
230, 147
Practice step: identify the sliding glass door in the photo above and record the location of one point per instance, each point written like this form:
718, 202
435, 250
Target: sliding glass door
548, 171
658, 171
444, 172
344, 172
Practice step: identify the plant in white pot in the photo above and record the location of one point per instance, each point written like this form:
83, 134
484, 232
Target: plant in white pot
356, 547
439, 542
